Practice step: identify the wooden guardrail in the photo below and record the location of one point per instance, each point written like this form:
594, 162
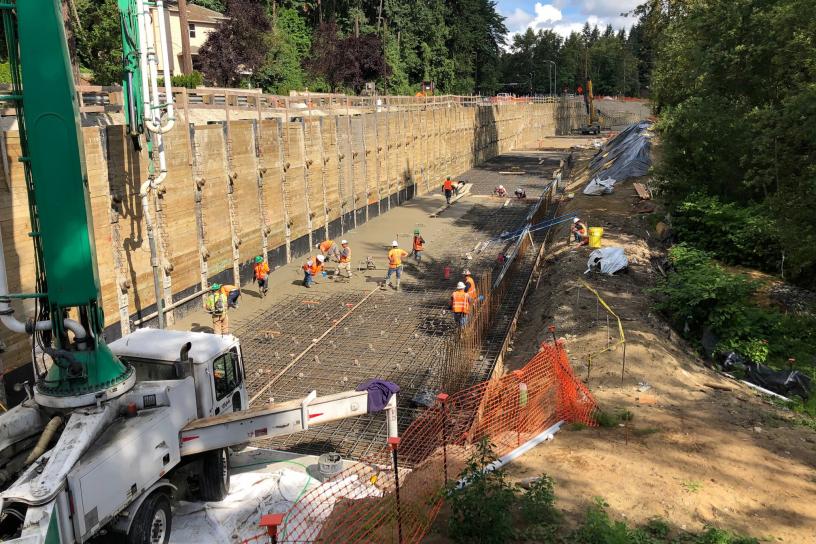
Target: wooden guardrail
101, 99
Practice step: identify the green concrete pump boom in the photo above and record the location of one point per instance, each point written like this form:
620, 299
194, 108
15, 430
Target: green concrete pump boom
83, 369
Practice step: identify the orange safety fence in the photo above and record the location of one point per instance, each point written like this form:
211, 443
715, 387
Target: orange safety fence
365, 504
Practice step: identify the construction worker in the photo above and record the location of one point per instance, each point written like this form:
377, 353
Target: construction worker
311, 269
232, 293
520, 193
328, 249
419, 246
395, 255
261, 269
216, 306
500, 191
447, 188
460, 305
470, 286
579, 231
344, 259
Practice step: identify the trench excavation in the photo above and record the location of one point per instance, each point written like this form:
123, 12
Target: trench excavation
331, 342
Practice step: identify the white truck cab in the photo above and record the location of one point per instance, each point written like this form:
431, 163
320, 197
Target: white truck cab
214, 361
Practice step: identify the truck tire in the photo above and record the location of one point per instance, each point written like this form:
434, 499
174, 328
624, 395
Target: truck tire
215, 475
153, 521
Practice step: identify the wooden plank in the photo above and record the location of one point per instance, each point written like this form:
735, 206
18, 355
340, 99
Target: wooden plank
215, 210
273, 188
178, 230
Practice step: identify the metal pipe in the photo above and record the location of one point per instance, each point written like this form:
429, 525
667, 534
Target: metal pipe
168, 84
176, 304
153, 105
45, 439
154, 258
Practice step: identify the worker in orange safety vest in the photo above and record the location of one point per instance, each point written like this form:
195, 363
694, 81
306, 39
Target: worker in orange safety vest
395, 256
579, 231
232, 293
344, 259
460, 305
328, 248
419, 246
311, 269
447, 188
470, 286
261, 270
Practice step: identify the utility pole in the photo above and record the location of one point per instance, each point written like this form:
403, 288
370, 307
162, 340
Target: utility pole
186, 56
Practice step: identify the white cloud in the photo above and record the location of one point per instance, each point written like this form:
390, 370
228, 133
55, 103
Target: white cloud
604, 8
545, 15
518, 19
551, 16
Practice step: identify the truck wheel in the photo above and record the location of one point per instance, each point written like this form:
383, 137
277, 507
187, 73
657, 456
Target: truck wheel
215, 475
152, 522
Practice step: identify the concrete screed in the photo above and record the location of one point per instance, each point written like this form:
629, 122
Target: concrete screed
398, 336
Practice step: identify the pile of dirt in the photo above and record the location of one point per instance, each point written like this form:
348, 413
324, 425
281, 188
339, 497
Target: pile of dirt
700, 449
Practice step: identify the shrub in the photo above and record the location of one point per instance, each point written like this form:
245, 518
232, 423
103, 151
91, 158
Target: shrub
700, 294
480, 512
5, 73
744, 235
191, 80
538, 503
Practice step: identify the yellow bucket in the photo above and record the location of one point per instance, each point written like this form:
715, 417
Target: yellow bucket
595, 235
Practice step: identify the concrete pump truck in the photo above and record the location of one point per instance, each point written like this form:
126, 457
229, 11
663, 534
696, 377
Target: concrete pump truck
105, 427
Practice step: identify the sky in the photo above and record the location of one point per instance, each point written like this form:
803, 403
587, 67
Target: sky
564, 16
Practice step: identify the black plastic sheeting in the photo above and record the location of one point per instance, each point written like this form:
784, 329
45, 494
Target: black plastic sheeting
788, 383
627, 155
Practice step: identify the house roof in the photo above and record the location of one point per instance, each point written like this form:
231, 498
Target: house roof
199, 14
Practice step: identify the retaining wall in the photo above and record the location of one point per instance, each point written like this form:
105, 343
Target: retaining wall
236, 189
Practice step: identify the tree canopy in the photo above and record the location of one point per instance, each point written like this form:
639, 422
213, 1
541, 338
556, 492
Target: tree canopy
733, 82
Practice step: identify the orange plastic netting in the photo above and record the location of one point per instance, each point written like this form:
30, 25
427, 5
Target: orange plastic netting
360, 504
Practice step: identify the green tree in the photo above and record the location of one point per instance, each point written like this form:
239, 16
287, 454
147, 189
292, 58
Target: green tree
238, 48
288, 45
99, 40
734, 83
215, 5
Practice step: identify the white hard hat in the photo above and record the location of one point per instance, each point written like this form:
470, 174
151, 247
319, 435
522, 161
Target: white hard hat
466, 272
321, 258
575, 220
344, 242
460, 285
317, 246
394, 243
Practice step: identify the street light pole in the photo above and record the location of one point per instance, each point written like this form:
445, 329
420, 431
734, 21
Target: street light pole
556, 76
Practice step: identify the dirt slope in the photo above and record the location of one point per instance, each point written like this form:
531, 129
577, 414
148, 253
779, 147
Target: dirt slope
693, 454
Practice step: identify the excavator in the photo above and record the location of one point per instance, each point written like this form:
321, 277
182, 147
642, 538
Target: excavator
105, 427
594, 124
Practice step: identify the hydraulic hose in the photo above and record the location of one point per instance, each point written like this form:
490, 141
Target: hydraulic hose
47, 435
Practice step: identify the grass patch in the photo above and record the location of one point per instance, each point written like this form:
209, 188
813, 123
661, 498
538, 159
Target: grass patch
491, 510
645, 431
692, 486
613, 419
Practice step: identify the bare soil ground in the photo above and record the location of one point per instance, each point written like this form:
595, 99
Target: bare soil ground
701, 450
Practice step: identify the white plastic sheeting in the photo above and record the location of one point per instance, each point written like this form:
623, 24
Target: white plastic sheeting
253, 494
599, 187
236, 518
607, 260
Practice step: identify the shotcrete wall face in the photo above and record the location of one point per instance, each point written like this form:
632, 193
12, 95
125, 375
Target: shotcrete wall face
239, 189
